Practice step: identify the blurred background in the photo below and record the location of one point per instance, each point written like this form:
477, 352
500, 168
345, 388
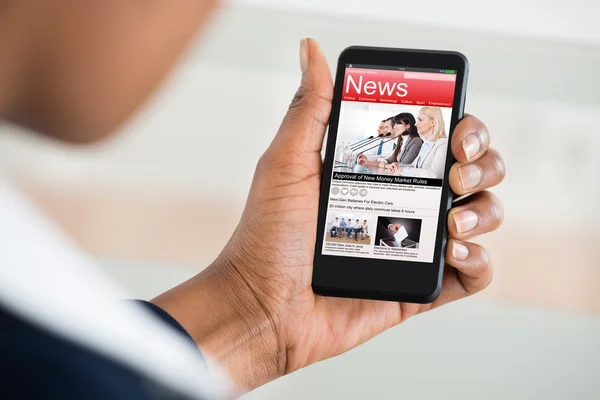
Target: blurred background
156, 203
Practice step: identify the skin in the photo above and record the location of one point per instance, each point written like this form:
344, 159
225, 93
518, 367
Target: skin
381, 129
424, 126
78, 69
388, 126
83, 67
399, 129
395, 227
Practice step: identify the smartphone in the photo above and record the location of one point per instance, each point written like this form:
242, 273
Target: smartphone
385, 195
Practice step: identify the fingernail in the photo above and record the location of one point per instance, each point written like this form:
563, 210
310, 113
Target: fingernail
471, 145
304, 58
466, 221
470, 176
460, 252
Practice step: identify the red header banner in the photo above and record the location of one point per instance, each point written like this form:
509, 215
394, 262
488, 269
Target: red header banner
399, 87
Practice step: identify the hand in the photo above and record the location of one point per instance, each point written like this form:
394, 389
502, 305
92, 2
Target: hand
362, 159
395, 228
393, 168
254, 310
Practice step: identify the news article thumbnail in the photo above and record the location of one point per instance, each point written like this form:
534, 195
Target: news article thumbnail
392, 140
398, 232
348, 228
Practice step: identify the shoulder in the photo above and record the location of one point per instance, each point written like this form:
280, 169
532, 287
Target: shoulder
54, 367
441, 143
416, 141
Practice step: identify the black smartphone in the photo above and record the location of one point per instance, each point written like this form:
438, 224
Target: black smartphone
385, 195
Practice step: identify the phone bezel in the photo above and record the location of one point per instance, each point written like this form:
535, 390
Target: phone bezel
377, 279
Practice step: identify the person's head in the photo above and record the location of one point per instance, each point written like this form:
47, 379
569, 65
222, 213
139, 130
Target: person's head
357, 220
430, 124
365, 221
336, 218
404, 124
76, 70
342, 219
388, 126
381, 128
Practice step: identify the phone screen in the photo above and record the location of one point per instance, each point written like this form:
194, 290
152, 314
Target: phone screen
389, 163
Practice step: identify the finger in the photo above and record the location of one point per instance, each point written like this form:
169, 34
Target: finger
467, 272
482, 212
305, 123
470, 139
484, 172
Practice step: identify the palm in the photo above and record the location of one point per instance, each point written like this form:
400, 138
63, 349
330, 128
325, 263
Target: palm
287, 197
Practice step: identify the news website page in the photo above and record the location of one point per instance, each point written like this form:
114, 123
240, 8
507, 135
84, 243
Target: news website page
390, 157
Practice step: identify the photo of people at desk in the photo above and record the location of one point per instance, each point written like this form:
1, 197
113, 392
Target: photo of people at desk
411, 143
348, 228
398, 232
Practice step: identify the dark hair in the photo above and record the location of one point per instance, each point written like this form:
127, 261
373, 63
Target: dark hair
408, 119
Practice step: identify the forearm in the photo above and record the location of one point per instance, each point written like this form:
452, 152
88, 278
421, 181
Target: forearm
226, 321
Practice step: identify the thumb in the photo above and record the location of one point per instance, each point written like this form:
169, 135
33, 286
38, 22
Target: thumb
305, 123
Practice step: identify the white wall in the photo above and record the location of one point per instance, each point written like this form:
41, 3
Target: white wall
573, 21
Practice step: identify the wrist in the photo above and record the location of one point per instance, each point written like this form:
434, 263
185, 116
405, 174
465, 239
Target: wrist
227, 322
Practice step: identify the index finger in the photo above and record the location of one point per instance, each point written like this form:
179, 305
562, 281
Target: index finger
470, 139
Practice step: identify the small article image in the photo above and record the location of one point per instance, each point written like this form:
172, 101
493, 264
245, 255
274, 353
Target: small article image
398, 232
348, 228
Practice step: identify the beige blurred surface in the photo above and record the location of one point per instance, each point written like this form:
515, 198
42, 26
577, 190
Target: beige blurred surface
534, 266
